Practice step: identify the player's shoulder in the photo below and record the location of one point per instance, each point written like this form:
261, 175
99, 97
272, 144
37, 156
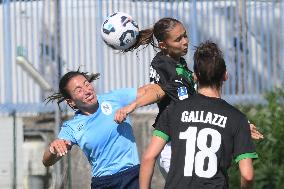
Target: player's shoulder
162, 61
111, 96
188, 101
182, 103
116, 94
232, 108
72, 124
232, 111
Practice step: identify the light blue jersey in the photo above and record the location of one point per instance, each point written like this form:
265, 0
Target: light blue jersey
109, 147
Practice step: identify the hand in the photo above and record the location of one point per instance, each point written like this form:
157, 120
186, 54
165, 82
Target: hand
60, 147
255, 134
121, 114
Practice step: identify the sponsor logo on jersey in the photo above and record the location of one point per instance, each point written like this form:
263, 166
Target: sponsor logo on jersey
106, 108
182, 93
179, 81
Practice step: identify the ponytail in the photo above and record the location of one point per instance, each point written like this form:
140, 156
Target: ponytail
159, 32
145, 37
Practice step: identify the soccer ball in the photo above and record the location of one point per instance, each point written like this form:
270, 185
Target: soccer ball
119, 31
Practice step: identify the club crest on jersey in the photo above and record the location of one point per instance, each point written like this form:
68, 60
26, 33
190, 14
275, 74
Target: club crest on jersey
106, 108
182, 93
80, 127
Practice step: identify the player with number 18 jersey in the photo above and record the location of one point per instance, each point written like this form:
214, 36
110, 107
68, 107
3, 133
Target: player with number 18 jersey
206, 134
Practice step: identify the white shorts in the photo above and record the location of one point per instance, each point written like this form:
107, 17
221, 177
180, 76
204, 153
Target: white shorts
164, 160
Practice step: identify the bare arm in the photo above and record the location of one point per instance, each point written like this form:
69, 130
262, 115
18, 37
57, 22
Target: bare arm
148, 161
146, 95
247, 173
56, 150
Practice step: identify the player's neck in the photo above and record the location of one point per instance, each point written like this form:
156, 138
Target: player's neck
210, 92
176, 58
90, 110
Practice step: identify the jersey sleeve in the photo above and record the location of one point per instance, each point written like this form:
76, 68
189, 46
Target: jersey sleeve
243, 144
126, 95
177, 82
162, 129
66, 133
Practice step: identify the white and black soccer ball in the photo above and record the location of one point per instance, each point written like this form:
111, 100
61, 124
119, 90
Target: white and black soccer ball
119, 31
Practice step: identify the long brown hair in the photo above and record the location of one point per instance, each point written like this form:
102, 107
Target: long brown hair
159, 31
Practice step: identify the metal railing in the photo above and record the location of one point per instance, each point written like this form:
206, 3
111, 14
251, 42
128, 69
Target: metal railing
60, 35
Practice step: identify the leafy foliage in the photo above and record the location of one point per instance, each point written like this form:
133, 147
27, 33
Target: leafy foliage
269, 119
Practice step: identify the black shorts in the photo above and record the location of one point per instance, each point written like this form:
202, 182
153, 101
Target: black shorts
128, 179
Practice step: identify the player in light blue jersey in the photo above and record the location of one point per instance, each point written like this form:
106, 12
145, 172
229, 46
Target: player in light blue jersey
110, 147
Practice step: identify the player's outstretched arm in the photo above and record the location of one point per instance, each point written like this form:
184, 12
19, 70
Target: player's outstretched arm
148, 161
247, 173
149, 94
146, 95
56, 150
